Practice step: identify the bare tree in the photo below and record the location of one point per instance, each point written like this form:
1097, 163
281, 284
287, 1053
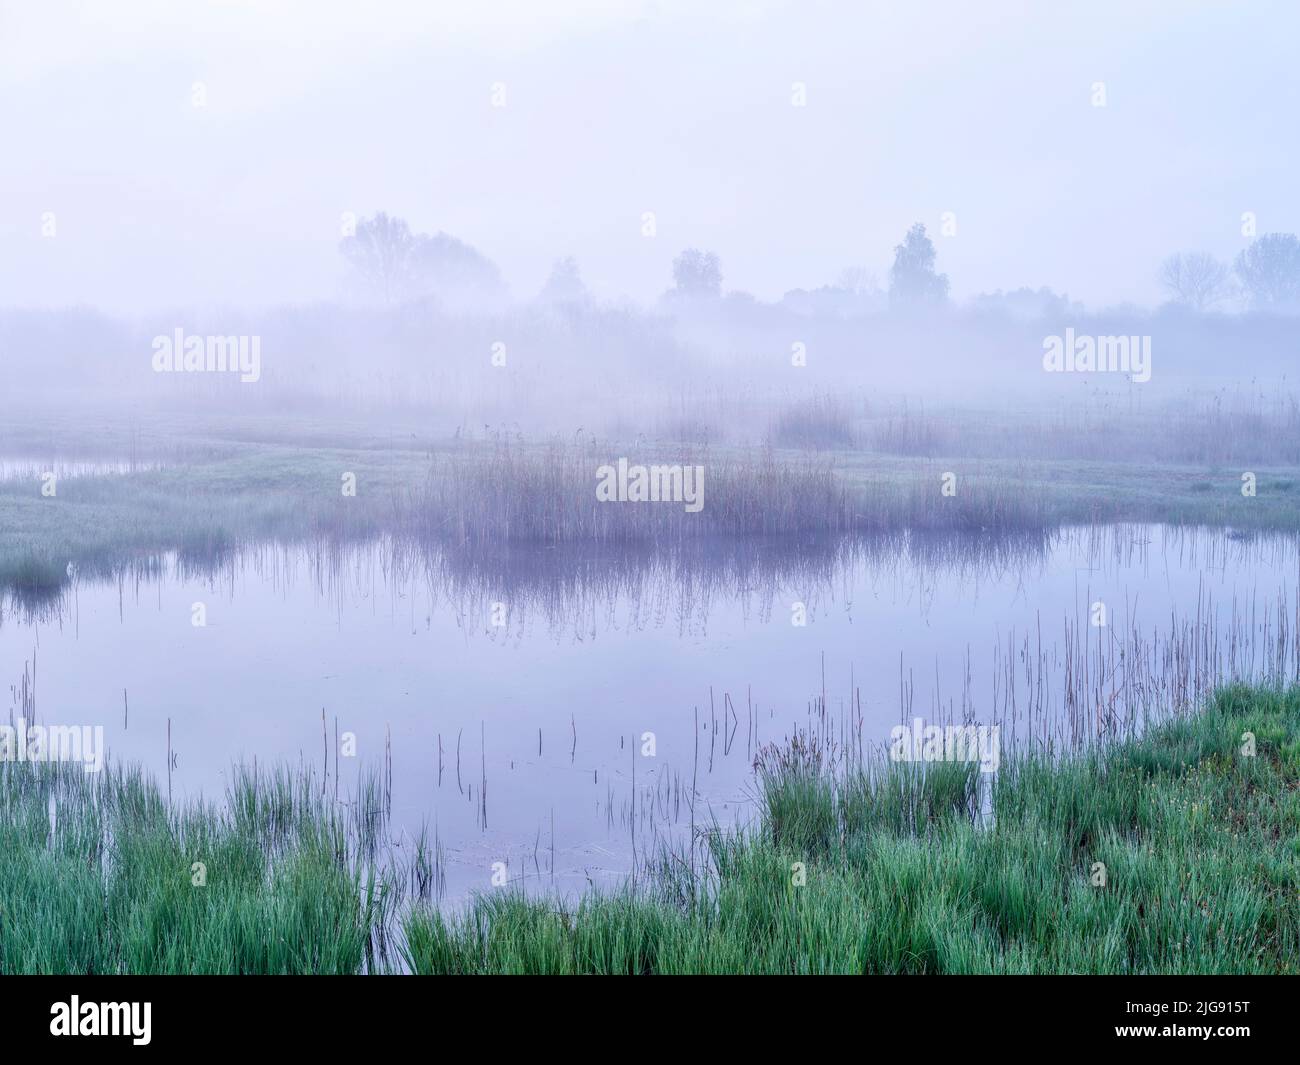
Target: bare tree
1196, 279
399, 264
1270, 271
858, 280
381, 251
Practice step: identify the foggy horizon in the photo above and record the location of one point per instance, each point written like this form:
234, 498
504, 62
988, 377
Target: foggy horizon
981, 119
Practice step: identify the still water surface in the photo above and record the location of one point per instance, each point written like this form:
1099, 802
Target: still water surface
542, 676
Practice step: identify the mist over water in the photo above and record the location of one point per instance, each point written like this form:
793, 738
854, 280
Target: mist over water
522, 438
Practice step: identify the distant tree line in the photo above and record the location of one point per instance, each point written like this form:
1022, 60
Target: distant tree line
1266, 276
396, 264
914, 282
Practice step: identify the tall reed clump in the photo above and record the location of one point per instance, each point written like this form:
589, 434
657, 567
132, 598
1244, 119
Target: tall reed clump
1170, 853
974, 505
919, 434
818, 423
798, 795
99, 875
547, 496
523, 495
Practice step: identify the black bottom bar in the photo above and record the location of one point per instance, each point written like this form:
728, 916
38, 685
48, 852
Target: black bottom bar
335, 1014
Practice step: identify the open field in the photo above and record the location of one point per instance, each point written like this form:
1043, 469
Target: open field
904, 872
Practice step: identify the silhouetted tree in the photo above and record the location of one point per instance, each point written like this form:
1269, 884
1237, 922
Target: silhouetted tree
399, 264
380, 252
1269, 271
564, 285
1195, 279
913, 281
445, 266
697, 274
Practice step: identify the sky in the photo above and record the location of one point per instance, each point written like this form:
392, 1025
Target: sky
162, 154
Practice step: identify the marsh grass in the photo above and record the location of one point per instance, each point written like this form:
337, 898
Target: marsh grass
904, 875
97, 875
905, 869
546, 496
880, 471
495, 495
529, 495
1201, 430
818, 423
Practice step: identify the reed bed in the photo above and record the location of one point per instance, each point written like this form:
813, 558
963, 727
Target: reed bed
840, 467
1088, 684
1219, 429
818, 423
547, 496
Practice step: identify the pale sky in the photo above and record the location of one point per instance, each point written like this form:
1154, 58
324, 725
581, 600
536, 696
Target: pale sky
313, 109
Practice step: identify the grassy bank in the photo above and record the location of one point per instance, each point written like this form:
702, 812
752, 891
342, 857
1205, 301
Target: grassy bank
903, 873
1199, 845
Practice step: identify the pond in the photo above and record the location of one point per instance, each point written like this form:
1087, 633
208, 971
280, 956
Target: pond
558, 713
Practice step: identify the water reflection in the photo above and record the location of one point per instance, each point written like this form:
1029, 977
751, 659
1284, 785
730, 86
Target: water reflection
500, 704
